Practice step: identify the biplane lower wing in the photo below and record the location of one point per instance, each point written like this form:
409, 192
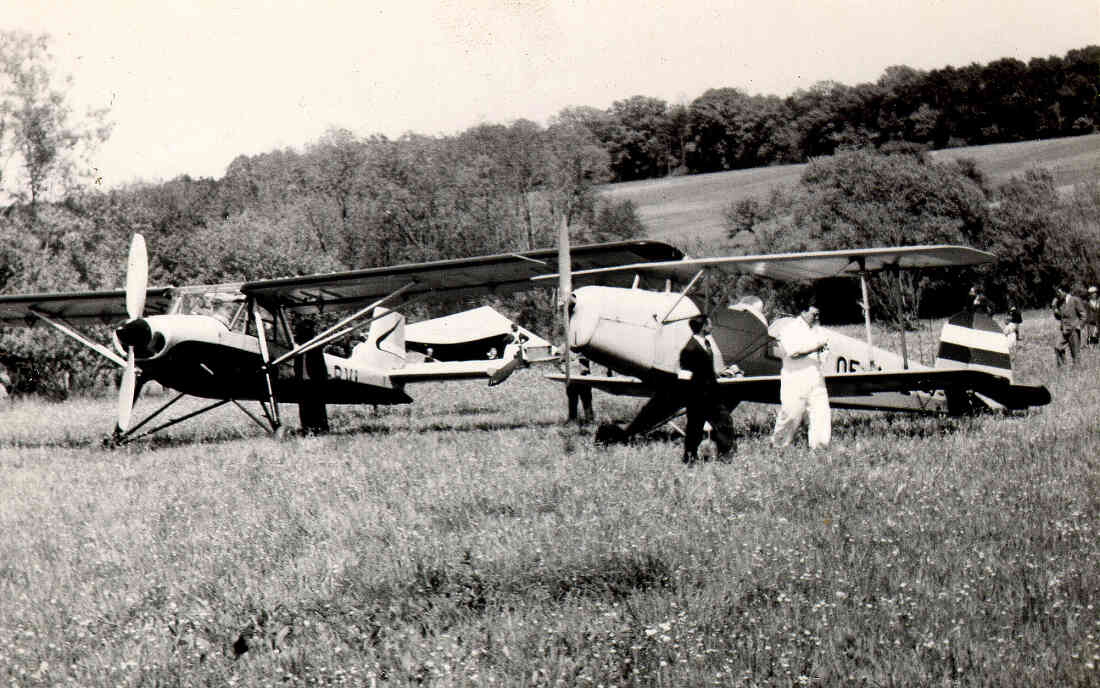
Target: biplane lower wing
880, 390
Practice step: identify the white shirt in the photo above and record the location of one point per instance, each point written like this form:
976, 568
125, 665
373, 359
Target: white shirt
800, 336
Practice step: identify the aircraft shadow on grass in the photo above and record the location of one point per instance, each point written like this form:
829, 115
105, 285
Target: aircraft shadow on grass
850, 427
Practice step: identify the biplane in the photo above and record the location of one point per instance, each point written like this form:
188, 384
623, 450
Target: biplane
239, 342
638, 332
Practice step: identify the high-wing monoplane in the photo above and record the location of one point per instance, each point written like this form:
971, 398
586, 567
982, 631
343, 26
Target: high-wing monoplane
638, 333
234, 343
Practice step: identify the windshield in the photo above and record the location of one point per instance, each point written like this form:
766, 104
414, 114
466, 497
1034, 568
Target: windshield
218, 305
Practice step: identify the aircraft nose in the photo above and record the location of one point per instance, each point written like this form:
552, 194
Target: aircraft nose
140, 335
583, 320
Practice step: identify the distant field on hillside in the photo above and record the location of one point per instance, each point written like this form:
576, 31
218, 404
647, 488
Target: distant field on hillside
680, 209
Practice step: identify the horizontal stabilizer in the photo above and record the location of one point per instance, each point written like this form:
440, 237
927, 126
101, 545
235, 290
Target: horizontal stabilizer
447, 370
1015, 397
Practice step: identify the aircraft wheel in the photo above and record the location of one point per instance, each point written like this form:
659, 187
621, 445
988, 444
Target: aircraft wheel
960, 403
280, 433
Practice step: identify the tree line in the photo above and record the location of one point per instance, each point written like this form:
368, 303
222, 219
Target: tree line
726, 128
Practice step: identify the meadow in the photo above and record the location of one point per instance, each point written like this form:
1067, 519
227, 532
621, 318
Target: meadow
689, 208
474, 538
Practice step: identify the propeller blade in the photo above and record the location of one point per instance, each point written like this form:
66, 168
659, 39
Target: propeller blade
505, 371
137, 277
126, 392
565, 285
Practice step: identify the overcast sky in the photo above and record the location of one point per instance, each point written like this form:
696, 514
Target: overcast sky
191, 84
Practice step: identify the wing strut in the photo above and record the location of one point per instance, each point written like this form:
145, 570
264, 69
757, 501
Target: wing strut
70, 332
268, 371
665, 320
866, 311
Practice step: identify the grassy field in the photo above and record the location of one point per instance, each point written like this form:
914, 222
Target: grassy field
690, 208
475, 539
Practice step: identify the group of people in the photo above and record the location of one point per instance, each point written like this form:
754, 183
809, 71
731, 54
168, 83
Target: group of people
1078, 320
802, 392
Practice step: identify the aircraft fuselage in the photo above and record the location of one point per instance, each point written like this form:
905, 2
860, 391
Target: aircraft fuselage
199, 356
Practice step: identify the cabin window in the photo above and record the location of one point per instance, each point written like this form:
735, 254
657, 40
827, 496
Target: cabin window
273, 331
225, 308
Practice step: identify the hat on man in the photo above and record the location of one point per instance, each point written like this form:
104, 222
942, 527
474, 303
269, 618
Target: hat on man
1092, 289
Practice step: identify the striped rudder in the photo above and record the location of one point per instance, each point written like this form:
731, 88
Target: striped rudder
974, 340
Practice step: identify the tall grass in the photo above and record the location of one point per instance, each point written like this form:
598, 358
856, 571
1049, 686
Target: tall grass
475, 539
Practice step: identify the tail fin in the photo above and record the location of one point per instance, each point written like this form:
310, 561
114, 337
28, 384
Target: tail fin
385, 345
973, 340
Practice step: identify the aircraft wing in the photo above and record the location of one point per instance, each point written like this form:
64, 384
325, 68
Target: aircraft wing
765, 388
446, 370
619, 385
89, 307
447, 280
813, 265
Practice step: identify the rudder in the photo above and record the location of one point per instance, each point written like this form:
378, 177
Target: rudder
385, 344
974, 341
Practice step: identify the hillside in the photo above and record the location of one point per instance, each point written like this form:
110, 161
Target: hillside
685, 208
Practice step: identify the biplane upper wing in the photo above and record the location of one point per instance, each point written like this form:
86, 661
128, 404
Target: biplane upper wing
449, 280
89, 307
813, 265
765, 388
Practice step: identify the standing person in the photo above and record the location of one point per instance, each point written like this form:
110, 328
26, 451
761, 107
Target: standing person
977, 302
580, 394
312, 374
704, 395
1011, 327
1092, 332
802, 382
1071, 314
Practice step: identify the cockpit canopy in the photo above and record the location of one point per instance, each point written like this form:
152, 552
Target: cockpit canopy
222, 305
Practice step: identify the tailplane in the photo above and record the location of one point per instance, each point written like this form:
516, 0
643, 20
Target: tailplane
972, 340
385, 344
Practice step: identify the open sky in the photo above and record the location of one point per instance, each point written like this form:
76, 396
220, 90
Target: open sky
192, 84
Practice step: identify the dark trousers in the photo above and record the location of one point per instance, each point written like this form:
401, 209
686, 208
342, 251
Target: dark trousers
579, 395
718, 415
1070, 339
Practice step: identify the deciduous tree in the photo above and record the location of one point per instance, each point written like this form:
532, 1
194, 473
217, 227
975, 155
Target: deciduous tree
43, 145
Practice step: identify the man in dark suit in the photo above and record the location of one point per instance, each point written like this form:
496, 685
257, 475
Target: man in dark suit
704, 396
1070, 312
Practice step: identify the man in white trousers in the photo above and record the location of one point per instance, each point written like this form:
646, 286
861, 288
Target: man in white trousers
802, 382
